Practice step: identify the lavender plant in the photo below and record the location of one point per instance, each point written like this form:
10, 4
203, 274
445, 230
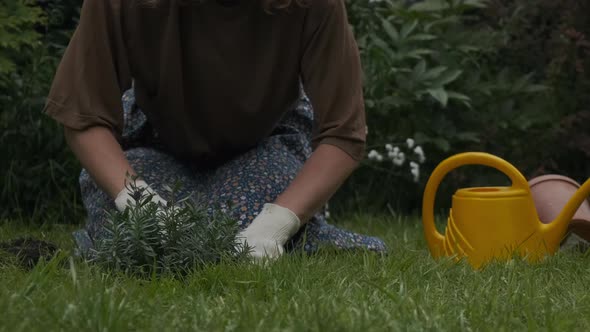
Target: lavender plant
150, 238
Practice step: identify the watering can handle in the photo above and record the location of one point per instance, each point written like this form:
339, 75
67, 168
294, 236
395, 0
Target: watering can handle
434, 238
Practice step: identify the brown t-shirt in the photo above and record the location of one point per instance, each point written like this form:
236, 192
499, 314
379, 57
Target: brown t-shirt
213, 80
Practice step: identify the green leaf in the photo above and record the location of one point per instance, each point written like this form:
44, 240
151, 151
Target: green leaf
434, 72
421, 137
394, 101
448, 77
408, 28
440, 95
520, 84
419, 69
458, 96
428, 5
468, 48
461, 97
450, 20
442, 144
418, 53
382, 45
422, 37
469, 136
477, 3
390, 30
535, 88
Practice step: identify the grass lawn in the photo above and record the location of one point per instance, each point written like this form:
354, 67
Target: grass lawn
406, 290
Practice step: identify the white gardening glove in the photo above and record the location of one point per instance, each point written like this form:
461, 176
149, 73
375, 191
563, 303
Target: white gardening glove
269, 231
125, 196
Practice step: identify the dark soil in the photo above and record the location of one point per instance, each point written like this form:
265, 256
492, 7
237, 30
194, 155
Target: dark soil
29, 251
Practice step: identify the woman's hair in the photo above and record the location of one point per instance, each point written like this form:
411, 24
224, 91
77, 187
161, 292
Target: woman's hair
268, 5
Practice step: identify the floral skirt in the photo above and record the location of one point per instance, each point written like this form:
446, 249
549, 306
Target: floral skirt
239, 187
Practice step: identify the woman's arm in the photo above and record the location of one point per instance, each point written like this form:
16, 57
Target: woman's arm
332, 78
85, 95
316, 182
322, 174
101, 155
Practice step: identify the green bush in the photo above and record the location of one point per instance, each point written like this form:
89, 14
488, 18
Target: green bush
551, 38
18, 19
510, 77
148, 238
433, 72
38, 174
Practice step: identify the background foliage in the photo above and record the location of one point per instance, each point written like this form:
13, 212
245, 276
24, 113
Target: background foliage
511, 77
550, 40
38, 176
508, 77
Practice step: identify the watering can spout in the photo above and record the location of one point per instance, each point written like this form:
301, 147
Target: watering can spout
560, 224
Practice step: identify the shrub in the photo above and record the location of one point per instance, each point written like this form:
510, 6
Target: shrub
38, 173
147, 238
453, 75
18, 19
433, 72
551, 38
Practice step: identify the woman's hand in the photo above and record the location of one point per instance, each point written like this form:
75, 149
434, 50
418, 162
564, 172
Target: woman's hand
269, 231
125, 197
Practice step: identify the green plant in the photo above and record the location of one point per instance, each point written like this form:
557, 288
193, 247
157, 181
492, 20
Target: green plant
551, 39
18, 19
430, 73
433, 72
148, 238
38, 174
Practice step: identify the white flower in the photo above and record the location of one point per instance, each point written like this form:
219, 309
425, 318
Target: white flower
410, 142
420, 153
399, 159
415, 170
416, 173
392, 152
373, 154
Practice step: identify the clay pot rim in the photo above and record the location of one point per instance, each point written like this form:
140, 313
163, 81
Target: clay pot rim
552, 177
577, 224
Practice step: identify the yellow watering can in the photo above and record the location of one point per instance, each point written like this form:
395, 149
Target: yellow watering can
493, 223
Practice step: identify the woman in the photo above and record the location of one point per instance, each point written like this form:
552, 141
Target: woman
217, 102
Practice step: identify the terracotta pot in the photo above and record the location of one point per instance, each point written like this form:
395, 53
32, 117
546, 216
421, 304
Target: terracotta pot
551, 192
